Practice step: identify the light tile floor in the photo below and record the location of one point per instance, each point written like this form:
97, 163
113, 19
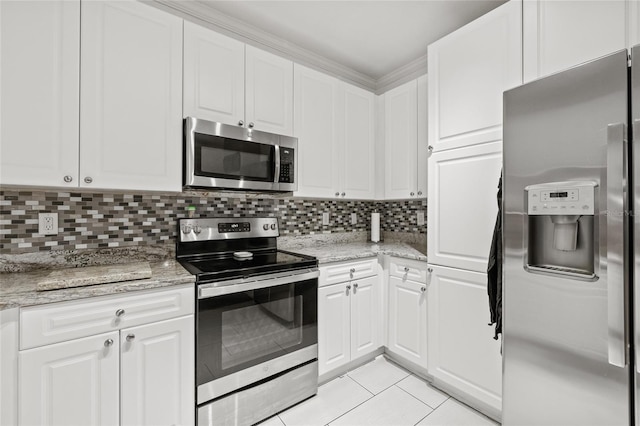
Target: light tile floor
379, 393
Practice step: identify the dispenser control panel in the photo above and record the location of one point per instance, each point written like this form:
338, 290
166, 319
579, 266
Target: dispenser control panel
561, 198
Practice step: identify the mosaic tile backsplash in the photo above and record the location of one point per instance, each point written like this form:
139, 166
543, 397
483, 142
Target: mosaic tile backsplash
89, 220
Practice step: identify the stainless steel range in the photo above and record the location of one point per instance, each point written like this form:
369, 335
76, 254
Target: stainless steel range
256, 319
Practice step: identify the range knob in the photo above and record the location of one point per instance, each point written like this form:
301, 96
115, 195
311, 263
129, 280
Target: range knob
186, 229
265, 226
197, 229
273, 226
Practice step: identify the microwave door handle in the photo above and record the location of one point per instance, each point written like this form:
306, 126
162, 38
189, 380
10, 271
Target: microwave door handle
277, 164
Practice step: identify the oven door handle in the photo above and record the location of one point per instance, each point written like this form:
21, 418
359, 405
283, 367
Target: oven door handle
206, 291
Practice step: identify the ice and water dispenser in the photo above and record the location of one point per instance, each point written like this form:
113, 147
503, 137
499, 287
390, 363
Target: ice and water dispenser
561, 229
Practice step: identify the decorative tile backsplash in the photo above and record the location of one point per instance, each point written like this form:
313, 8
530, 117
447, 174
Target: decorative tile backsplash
89, 220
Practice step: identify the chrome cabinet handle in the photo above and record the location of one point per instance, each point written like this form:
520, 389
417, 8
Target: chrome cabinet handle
68, 178
130, 337
337, 194
430, 148
355, 285
348, 287
406, 269
240, 123
343, 194
120, 312
251, 125
419, 192
617, 231
423, 289
108, 342
412, 194
352, 270
88, 179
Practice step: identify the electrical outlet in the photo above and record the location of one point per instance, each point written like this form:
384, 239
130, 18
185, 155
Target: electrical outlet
354, 218
420, 218
325, 218
48, 223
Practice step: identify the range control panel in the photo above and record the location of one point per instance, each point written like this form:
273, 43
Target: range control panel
561, 198
224, 228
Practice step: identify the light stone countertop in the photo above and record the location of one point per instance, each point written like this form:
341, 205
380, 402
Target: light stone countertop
328, 253
19, 289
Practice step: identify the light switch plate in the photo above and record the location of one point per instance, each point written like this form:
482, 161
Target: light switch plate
420, 218
354, 218
48, 223
325, 218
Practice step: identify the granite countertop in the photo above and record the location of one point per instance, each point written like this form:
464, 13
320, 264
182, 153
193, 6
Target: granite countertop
357, 250
19, 289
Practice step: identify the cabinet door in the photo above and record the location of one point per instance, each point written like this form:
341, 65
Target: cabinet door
315, 125
408, 320
468, 71
365, 309
269, 92
401, 138
40, 55
561, 34
131, 120
358, 149
462, 351
158, 373
422, 151
462, 205
213, 76
71, 383
333, 327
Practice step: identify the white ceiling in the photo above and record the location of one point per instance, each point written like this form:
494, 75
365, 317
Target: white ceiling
373, 38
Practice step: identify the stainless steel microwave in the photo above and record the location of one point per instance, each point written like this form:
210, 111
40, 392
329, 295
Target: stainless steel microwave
218, 155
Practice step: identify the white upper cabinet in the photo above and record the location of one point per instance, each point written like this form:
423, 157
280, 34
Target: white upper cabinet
462, 205
233, 83
213, 76
357, 151
39, 90
400, 140
269, 92
561, 34
422, 149
468, 71
315, 126
334, 124
131, 121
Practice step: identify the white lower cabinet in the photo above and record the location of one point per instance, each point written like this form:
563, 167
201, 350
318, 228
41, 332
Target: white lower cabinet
348, 321
140, 375
463, 356
407, 332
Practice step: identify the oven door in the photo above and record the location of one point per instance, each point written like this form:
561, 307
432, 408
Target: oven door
219, 155
253, 329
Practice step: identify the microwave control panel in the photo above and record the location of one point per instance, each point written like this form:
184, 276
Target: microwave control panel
287, 172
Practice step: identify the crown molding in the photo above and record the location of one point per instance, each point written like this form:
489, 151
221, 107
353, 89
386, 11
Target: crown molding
408, 72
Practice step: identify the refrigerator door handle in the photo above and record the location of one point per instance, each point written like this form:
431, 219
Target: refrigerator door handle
635, 191
616, 244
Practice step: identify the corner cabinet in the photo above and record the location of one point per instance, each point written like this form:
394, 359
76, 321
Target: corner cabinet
406, 140
253, 89
407, 334
464, 359
130, 97
113, 360
348, 313
468, 71
334, 124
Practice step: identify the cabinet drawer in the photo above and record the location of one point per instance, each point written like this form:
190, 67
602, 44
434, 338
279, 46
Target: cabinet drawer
341, 272
58, 322
407, 270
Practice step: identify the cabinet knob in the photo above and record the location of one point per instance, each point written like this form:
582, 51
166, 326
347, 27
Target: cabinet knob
240, 123
355, 285
343, 194
352, 270
130, 337
430, 148
429, 270
419, 192
423, 289
406, 269
120, 312
413, 193
348, 287
337, 194
68, 178
251, 125
88, 179
108, 342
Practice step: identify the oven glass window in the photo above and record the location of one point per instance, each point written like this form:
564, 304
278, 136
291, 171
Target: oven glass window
244, 329
220, 157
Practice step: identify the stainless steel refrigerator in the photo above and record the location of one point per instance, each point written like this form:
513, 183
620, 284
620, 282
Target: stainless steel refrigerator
571, 247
